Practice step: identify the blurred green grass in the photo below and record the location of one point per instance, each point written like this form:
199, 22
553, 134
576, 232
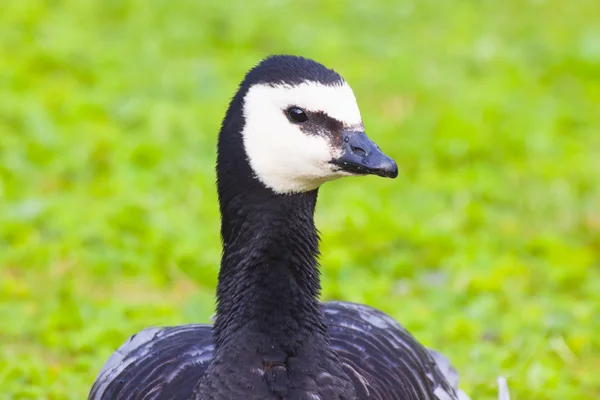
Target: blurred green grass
487, 247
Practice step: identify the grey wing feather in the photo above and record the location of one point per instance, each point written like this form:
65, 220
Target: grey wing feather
384, 360
156, 363
449, 372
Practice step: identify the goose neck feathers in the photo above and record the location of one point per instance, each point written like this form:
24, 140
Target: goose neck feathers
269, 281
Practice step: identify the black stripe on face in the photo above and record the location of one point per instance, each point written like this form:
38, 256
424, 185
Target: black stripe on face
321, 124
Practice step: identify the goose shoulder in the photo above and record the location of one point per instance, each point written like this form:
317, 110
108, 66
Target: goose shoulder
159, 362
384, 360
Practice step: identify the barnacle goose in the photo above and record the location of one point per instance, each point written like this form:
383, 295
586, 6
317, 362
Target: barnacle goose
292, 126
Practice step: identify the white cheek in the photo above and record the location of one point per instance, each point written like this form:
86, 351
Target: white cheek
282, 156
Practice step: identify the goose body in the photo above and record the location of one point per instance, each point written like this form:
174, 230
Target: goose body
292, 126
166, 363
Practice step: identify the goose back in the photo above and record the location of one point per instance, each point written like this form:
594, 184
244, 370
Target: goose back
382, 359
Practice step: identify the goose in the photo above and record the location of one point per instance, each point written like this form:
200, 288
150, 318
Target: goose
292, 126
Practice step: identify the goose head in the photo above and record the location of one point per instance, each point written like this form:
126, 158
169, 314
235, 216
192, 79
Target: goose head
300, 127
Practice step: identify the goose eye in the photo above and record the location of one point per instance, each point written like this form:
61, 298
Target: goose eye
297, 115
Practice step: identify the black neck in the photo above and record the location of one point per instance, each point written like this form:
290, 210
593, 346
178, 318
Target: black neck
267, 296
269, 282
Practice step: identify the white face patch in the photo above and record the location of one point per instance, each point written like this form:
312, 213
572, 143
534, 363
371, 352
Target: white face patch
283, 157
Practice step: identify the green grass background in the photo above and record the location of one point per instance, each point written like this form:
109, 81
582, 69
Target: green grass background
486, 247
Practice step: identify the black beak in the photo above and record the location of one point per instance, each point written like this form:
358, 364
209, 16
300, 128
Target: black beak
362, 156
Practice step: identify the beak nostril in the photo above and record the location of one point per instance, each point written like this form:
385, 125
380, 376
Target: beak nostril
359, 151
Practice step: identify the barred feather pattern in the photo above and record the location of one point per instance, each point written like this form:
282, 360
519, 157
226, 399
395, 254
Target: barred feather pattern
381, 358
